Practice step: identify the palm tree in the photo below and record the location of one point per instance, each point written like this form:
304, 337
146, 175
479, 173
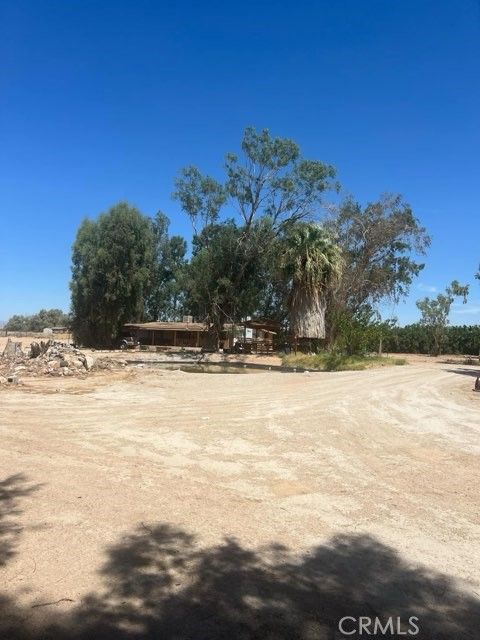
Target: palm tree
311, 264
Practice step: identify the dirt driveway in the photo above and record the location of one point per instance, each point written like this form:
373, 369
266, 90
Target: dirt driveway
160, 504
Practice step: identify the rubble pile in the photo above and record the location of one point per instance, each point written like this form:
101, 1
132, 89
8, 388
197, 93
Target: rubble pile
50, 358
44, 358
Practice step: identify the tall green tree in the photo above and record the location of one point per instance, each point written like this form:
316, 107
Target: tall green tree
111, 273
225, 277
382, 245
201, 197
270, 186
269, 179
435, 312
166, 297
311, 263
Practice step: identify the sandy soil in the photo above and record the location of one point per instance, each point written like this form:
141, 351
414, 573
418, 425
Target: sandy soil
264, 501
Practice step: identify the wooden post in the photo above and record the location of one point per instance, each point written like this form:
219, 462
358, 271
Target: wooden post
174, 338
198, 338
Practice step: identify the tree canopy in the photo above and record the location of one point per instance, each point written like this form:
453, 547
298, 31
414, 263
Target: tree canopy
45, 318
382, 245
165, 297
226, 274
111, 273
271, 188
435, 312
264, 243
268, 179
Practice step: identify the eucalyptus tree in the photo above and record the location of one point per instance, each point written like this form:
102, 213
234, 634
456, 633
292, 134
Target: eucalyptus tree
435, 312
382, 247
201, 197
225, 277
166, 296
269, 179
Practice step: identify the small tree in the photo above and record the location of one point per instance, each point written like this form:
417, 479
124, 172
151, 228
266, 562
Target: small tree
362, 332
435, 312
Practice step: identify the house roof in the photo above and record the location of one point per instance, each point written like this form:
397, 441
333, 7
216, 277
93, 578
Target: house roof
167, 326
228, 326
270, 326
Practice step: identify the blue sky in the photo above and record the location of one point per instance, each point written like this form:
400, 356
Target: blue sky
102, 101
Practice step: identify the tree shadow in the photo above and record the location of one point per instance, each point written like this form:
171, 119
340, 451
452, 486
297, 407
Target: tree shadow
159, 584
11, 489
465, 372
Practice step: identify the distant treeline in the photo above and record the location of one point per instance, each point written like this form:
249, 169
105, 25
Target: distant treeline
38, 321
415, 338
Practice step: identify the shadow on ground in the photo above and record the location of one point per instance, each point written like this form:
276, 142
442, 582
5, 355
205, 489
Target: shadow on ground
159, 584
465, 372
11, 490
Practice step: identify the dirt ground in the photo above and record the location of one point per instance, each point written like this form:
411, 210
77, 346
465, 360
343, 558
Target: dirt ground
163, 504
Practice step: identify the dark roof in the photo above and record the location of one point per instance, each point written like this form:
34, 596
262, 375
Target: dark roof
167, 326
269, 326
265, 325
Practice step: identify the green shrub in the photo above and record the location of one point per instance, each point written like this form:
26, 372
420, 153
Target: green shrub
335, 360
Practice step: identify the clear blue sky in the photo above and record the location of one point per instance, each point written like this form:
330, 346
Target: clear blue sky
102, 101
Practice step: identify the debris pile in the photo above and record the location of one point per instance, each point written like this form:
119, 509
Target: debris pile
46, 358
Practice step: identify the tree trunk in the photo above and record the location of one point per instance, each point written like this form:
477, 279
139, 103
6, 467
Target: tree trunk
307, 314
12, 349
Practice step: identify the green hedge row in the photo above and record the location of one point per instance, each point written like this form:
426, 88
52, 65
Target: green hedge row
415, 338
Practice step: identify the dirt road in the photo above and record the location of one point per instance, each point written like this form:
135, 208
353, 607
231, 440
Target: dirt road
124, 492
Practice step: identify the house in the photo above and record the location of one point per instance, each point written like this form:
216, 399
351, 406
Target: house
250, 336
255, 335
56, 330
169, 334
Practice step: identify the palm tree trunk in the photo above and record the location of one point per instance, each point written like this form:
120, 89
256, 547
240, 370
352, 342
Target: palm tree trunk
307, 314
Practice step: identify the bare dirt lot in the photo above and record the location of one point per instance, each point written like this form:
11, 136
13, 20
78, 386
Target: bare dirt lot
162, 504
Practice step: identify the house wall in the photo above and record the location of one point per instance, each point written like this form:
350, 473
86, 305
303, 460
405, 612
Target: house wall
167, 338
